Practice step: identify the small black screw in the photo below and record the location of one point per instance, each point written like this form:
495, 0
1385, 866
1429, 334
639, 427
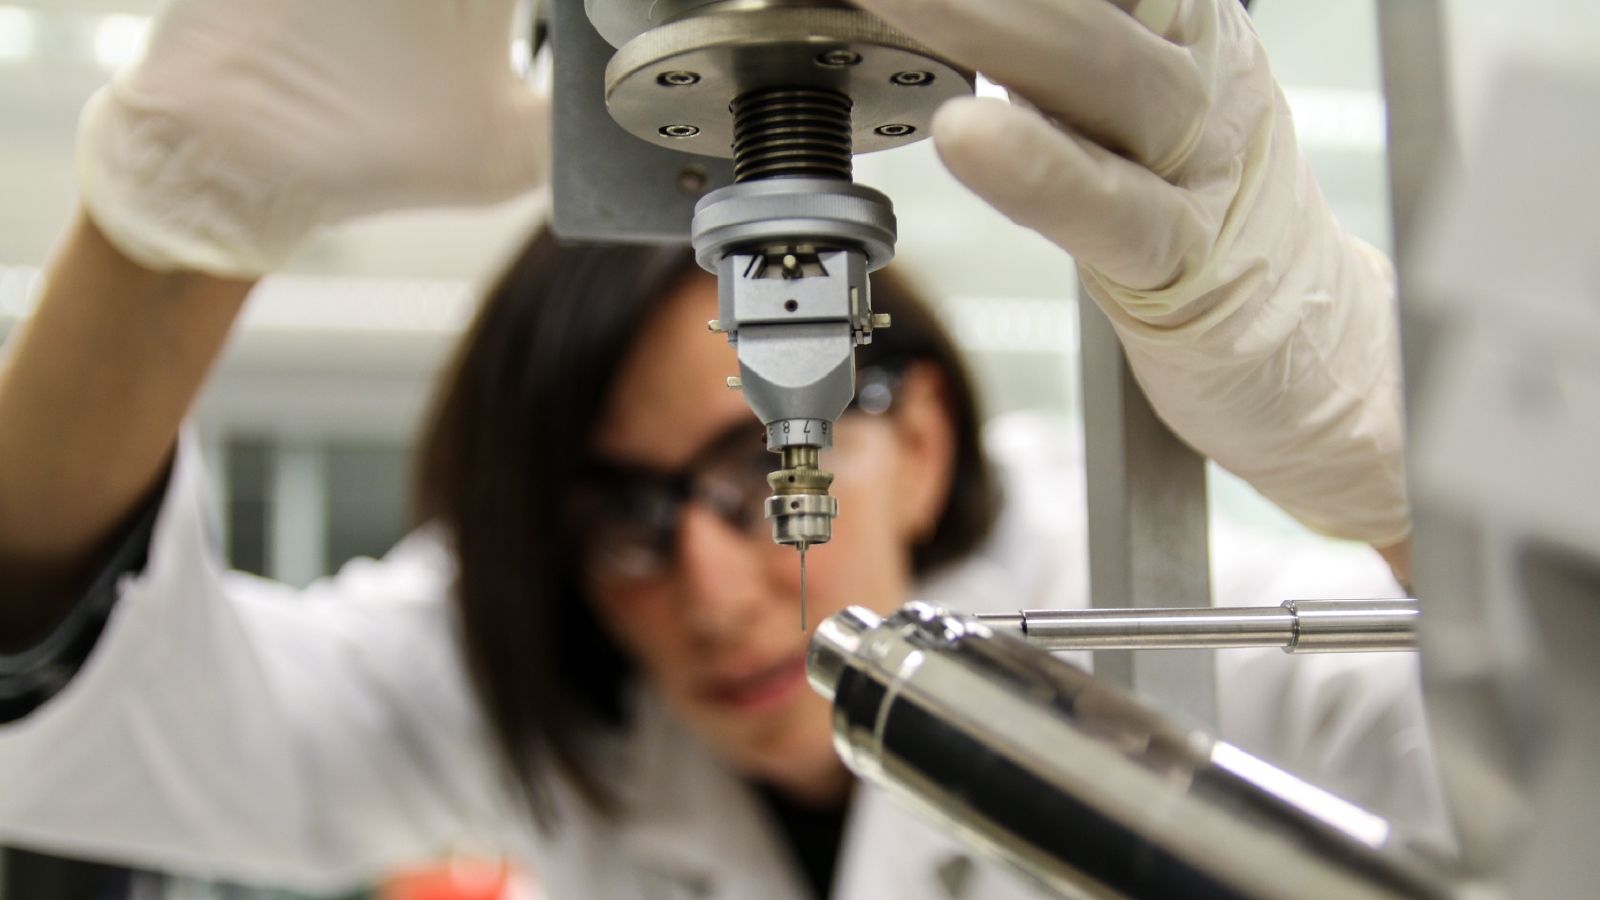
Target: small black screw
912, 79
895, 130
791, 305
679, 131
839, 58
677, 78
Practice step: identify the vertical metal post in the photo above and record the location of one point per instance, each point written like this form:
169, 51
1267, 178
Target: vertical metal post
214, 452
299, 513
1148, 534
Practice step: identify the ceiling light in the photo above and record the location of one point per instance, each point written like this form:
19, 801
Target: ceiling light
16, 34
119, 39
1338, 119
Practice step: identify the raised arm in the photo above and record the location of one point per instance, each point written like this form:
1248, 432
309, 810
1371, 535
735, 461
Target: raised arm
248, 124
92, 393
216, 728
1156, 147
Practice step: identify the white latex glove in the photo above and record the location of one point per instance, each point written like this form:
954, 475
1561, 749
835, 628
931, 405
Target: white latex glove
249, 123
1160, 153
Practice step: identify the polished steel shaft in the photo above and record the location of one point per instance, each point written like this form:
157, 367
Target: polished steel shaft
1298, 626
1079, 785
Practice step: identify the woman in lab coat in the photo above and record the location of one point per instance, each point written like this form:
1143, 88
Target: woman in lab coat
587, 656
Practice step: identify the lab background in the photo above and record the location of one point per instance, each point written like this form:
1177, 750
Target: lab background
309, 423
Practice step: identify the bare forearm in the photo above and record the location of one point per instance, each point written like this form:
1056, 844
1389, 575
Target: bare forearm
92, 395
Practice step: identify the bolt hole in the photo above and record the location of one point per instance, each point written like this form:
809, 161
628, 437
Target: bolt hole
693, 180
895, 130
677, 79
791, 305
679, 131
794, 504
912, 79
839, 58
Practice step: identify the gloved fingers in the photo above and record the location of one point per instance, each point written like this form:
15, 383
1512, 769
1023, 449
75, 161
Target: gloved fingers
1110, 214
250, 122
417, 79
1085, 62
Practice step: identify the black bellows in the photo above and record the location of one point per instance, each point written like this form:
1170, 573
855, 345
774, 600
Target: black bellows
791, 132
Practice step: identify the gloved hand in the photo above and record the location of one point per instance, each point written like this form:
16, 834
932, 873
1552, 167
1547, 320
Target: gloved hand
249, 123
1160, 153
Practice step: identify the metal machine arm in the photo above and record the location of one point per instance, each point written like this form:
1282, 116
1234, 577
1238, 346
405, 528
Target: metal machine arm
789, 90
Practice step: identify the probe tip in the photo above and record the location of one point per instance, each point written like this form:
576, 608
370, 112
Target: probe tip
802, 548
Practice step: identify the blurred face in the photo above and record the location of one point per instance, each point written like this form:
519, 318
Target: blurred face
716, 627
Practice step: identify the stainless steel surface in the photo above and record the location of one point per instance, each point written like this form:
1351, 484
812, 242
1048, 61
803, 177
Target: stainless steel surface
607, 186
1076, 784
827, 212
1354, 626
789, 89
802, 519
792, 257
1298, 626
620, 21
799, 432
1147, 521
790, 514
800, 510
732, 49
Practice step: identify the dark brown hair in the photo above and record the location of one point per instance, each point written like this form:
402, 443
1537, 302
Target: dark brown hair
511, 431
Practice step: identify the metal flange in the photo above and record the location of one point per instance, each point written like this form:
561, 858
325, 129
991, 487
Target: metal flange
673, 85
821, 210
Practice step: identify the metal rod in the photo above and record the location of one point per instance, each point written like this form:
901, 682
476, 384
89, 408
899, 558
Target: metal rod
1298, 626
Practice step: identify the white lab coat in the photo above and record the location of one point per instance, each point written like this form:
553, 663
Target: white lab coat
233, 727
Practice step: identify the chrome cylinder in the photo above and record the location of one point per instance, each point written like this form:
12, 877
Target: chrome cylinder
1298, 626
802, 519
1350, 626
1075, 783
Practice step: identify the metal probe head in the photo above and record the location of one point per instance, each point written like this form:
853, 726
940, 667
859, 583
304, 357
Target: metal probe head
800, 510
